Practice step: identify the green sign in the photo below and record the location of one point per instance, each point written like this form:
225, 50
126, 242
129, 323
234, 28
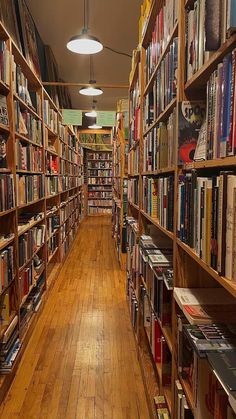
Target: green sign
72, 117
106, 118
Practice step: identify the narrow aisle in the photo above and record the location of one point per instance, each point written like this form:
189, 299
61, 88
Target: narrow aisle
81, 359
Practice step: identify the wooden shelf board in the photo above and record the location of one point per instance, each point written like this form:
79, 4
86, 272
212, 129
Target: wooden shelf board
30, 203
27, 140
4, 88
162, 117
168, 397
28, 226
155, 222
188, 393
152, 78
135, 74
5, 243
200, 78
160, 171
133, 205
3, 213
229, 285
26, 106
4, 128
134, 146
216, 163
12, 315
29, 172
52, 255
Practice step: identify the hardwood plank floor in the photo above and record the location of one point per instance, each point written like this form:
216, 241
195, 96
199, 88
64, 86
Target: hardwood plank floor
81, 358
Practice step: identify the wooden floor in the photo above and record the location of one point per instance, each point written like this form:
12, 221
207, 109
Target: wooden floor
81, 359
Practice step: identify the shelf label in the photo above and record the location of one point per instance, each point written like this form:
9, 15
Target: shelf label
106, 118
72, 117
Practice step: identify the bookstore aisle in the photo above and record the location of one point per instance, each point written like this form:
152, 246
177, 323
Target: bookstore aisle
81, 360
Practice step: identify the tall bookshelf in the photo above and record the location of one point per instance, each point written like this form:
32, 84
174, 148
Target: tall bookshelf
163, 183
99, 182
120, 180
41, 200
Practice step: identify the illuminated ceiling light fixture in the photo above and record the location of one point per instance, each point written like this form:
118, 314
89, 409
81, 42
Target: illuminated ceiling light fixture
85, 43
95, 126
92, 113
91, 90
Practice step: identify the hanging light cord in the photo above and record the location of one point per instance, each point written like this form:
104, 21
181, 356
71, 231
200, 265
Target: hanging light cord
118, 52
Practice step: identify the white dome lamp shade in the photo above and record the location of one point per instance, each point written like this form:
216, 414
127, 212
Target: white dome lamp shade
84, 44
91, 90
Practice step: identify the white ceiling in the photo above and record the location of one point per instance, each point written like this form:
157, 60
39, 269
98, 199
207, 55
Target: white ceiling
114, 22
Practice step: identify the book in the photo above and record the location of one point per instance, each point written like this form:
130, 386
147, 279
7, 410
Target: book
191, 118
3, 151
202, 306
4, 120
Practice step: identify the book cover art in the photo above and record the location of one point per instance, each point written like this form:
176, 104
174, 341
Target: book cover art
3, 111
191, 117
3, 152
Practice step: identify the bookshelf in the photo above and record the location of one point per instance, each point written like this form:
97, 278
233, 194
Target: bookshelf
98, 168
120, 180
171, 244
41, 200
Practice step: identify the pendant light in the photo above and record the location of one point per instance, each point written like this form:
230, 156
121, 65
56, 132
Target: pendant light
93, 112
95, 126
92, 89
85, 43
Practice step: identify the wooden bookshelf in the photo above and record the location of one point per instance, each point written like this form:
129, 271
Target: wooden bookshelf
120, 182
70, 182
190, 271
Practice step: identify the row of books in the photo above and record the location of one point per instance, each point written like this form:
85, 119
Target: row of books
4, 119
29, 242
160, 146
100, 188
52, 165
135, 112
208, 24
99, 181
53, 224
99, 203
27, 125
72, 142
92, 195
28, 157
133, 161
206, 339
163, 28
21, 89
10, 345
99, 165
4, 63
133, 191
31, 303
158, 199
164, 87
206, 219
133, 305
29, 188
99, 156
99, 172
6, 267
50, 116
7, 194
218, 135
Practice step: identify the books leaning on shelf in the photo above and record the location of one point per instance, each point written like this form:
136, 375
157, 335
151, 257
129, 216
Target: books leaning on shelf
133, 191
50, 117
29, 188
6, 267
7, 194
4, 63
159, 146
30, 242
135, 112
21, 89
10, 346
204, 205
27, 125
207, 26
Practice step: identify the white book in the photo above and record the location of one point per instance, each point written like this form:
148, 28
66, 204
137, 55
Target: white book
231, 187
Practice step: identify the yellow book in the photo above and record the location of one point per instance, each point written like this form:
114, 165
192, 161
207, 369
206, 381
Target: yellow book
5, 311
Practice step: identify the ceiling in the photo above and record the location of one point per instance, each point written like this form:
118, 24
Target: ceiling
114, 22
